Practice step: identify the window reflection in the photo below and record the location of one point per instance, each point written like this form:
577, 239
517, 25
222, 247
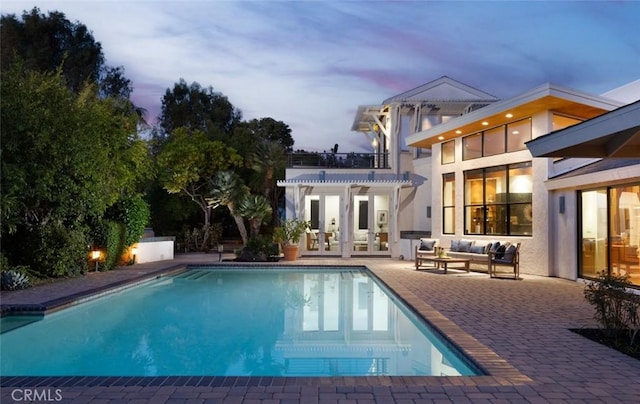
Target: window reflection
349, 322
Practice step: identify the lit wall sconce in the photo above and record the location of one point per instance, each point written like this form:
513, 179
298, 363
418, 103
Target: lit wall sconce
95, 255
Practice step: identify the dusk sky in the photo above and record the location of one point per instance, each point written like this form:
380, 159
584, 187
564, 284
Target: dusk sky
310, 64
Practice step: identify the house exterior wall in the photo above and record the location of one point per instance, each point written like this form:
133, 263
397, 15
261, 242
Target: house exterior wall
535, 248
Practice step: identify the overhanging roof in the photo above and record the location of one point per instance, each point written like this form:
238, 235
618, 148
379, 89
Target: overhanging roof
541, 98
613, 134
445, 94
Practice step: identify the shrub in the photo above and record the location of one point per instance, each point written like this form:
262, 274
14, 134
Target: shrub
115, 245
59, 251
133, 212
13, 278
616, 307
192, 240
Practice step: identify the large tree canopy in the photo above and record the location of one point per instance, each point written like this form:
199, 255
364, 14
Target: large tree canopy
46, 43
189, 161
197, 108
65, 158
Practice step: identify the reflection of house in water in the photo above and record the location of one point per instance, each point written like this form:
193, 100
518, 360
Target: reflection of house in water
350, 324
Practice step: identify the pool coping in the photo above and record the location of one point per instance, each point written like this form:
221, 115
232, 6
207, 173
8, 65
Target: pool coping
498, 371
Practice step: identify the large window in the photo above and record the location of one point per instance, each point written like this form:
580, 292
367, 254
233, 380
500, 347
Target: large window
448, 152
448, 203
497, 200
610, 232
498, 140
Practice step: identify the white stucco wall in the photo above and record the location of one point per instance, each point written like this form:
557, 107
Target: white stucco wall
154, 249
564, 255
534, 256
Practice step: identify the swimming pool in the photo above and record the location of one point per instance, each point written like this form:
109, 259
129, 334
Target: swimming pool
271, 321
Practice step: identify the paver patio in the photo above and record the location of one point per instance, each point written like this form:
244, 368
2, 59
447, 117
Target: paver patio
519, 329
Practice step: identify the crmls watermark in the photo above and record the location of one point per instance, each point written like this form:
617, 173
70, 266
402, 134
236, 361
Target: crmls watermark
42, 394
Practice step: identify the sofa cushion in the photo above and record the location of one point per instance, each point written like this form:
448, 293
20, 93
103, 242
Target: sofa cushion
455, 244
477, 249
500, 251
509, 253
465, 245
427, 244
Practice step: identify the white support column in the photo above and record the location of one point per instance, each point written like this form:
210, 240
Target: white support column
396, 212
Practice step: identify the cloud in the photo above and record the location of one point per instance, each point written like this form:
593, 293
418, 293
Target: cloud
312, 63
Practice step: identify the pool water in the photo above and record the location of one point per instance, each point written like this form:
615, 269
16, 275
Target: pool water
234, 322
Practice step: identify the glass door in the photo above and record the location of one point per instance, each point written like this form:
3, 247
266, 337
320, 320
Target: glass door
371, 224
323, 212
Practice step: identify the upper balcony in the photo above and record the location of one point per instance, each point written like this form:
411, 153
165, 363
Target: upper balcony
338, 160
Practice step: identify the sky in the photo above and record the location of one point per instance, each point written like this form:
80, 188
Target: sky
311, 63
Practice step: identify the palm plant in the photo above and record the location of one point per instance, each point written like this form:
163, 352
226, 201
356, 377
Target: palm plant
268, 161
257, 209
227, 189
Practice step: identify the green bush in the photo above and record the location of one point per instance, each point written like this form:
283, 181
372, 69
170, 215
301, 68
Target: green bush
616, 306
115, 245
108, 236
61, 251
192, 240
133, 212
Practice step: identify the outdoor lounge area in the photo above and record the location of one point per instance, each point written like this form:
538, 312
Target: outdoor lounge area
488, 257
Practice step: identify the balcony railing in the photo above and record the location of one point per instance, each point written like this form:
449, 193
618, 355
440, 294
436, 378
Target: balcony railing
338, 160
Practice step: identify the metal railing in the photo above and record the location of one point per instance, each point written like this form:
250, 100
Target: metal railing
338, 160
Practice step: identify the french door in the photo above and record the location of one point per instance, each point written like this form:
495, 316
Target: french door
323, 212
370, 230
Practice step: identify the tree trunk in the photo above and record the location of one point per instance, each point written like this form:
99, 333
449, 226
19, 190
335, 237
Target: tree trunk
206, 235
240, 223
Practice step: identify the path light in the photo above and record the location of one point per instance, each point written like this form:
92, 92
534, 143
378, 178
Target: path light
95, 255
220, 251
134, 253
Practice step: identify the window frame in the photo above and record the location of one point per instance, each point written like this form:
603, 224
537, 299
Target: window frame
497, 213
506, 145
449, 228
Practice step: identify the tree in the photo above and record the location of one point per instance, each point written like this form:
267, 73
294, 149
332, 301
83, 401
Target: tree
257, 209
265, 130
227, 189
268, 162
65, 159
197, 108
50, 42
188, 162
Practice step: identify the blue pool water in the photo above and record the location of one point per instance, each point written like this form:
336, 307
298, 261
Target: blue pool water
234, 322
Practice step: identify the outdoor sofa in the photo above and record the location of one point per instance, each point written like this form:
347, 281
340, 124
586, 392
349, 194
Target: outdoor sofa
491, 255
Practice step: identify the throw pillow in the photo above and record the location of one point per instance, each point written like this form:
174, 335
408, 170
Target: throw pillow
510, 253
427, 244
500, 252
477, 249
465, 245
454, 245
494, 247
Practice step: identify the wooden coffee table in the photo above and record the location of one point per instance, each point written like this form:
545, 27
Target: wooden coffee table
437, 262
